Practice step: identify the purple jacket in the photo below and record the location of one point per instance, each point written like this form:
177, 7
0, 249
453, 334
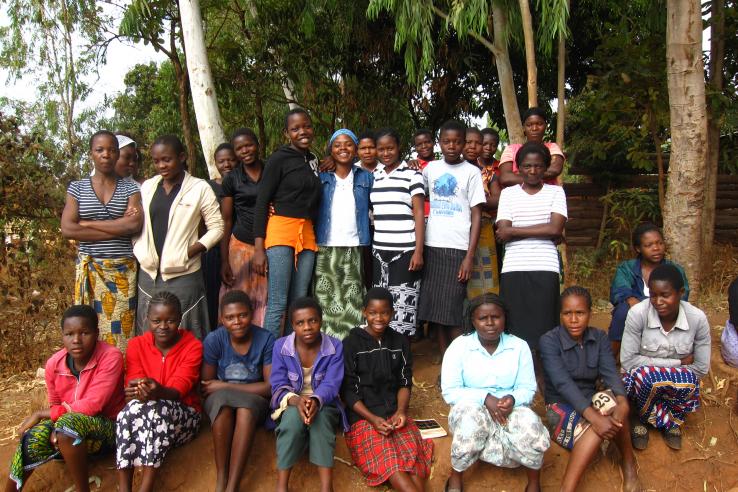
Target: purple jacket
327, 374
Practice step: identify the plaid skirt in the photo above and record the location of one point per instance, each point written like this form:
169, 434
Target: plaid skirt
484, 276
663, 396
379, 457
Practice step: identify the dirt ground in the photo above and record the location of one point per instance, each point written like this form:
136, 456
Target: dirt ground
707, 461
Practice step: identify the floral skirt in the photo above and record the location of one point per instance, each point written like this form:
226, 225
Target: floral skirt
246, 279
663, 396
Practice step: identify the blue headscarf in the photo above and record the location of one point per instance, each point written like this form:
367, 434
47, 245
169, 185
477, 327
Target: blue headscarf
343, 131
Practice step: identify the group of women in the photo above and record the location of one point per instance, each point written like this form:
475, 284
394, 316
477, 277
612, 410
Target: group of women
270, 233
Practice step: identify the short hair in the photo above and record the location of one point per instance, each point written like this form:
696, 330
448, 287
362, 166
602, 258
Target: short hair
305, 303
367, 134
293, 112
474, 129
667, 273
472, 305
387, 132
81, 311
453, 126
642, 229
533, 148
423, 131
577, 291
491, 131
733, 301
235, 297
171, 141
165, 298
106, 133
244, 132
534, 111
223, 146
379, 294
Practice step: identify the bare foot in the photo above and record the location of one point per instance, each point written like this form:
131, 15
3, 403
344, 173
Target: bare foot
630, 478
533, 487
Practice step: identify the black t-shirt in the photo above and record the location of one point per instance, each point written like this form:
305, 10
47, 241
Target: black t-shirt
159, 208
238, 185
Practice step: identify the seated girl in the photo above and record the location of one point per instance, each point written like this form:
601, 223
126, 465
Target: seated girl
665, 352
729, 338
630, 284
237, 362
487, 377
384, 444
163, 409
306, 378
84, 384
575, 356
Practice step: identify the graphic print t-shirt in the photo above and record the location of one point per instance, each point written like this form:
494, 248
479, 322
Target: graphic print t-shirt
453, 191
232, 366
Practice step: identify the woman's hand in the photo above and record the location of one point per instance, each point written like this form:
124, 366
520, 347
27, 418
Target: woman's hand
398, 420
416, 262
381, 426
327, 164
210, 386
313, 407
226, 274
195, 250
494, 410
687, 360
148, 389
29, 422
505, 405
414, 164
605, 426
466, 268
503, 234
632, 301
259, 261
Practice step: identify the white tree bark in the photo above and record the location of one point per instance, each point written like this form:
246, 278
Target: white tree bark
505, 73
201, 83
685, 194
530, 53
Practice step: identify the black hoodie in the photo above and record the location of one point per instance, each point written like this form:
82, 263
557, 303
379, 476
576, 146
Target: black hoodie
375, 371
289, 182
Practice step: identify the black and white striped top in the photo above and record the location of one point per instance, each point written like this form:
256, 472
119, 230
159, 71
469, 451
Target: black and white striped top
91, 208
391, 198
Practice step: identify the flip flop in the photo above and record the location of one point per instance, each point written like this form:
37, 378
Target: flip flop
639, 436
673, 438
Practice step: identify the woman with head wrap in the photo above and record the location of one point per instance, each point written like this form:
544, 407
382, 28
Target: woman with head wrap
342, 228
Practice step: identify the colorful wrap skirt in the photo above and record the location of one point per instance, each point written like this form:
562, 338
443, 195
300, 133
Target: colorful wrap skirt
109, 286
339, 288
379, 457
663, 396
566, 425
484, 277
34, 449
246, 279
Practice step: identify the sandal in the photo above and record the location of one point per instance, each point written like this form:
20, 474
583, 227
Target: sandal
673, 438
639, 435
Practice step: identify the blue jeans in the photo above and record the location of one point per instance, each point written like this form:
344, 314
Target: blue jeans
286, 283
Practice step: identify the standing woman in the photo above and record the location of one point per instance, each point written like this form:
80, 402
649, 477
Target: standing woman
240, 188
290, 184
169, 247
342, 230
102, 212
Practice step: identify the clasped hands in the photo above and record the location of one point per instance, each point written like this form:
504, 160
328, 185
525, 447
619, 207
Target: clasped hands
306, 407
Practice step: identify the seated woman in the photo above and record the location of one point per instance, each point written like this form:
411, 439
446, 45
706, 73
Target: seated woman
237, 362
84, 385
729, 337
306, 378
630, 284
665, 352
384, 444
487, 377
163, 409
575, 356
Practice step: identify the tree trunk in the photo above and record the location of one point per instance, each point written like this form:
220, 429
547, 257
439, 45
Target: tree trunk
561, 90
201, 83
715, 84
183, 99
505, 74
530, 52
687, 108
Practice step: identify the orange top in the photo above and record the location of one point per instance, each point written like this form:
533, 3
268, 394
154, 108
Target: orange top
290, 231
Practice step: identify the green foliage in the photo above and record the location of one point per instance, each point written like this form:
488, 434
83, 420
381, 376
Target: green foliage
626, 209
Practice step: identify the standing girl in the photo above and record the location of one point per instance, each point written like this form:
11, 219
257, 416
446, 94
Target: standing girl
342, 230
163, 409
399, 231
530, 220
290, 184
102, 212
240, 188
169, 247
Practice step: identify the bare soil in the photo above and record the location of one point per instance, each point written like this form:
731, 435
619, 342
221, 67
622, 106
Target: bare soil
707, 462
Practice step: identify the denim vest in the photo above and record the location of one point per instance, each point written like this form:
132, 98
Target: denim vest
363, 181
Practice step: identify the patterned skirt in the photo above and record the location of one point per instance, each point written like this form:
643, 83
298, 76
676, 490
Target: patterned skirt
379, 457
522, 441
109, 286
146, 431
391, 271
339, 288
34, 449
663, 396
255, 285
566, 425
484, 277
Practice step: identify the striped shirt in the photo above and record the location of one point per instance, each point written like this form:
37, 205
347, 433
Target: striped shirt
91, 208
392, 203
522, 209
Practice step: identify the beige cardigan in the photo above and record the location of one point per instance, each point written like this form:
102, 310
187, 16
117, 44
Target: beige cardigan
195, 201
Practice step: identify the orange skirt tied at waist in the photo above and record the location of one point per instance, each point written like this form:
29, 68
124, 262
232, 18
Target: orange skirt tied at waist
290, 231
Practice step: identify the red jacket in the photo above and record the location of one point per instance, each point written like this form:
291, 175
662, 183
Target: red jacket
99, 390
180, 369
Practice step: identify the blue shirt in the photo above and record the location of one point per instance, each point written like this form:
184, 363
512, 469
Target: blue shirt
232, 366
469, 373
